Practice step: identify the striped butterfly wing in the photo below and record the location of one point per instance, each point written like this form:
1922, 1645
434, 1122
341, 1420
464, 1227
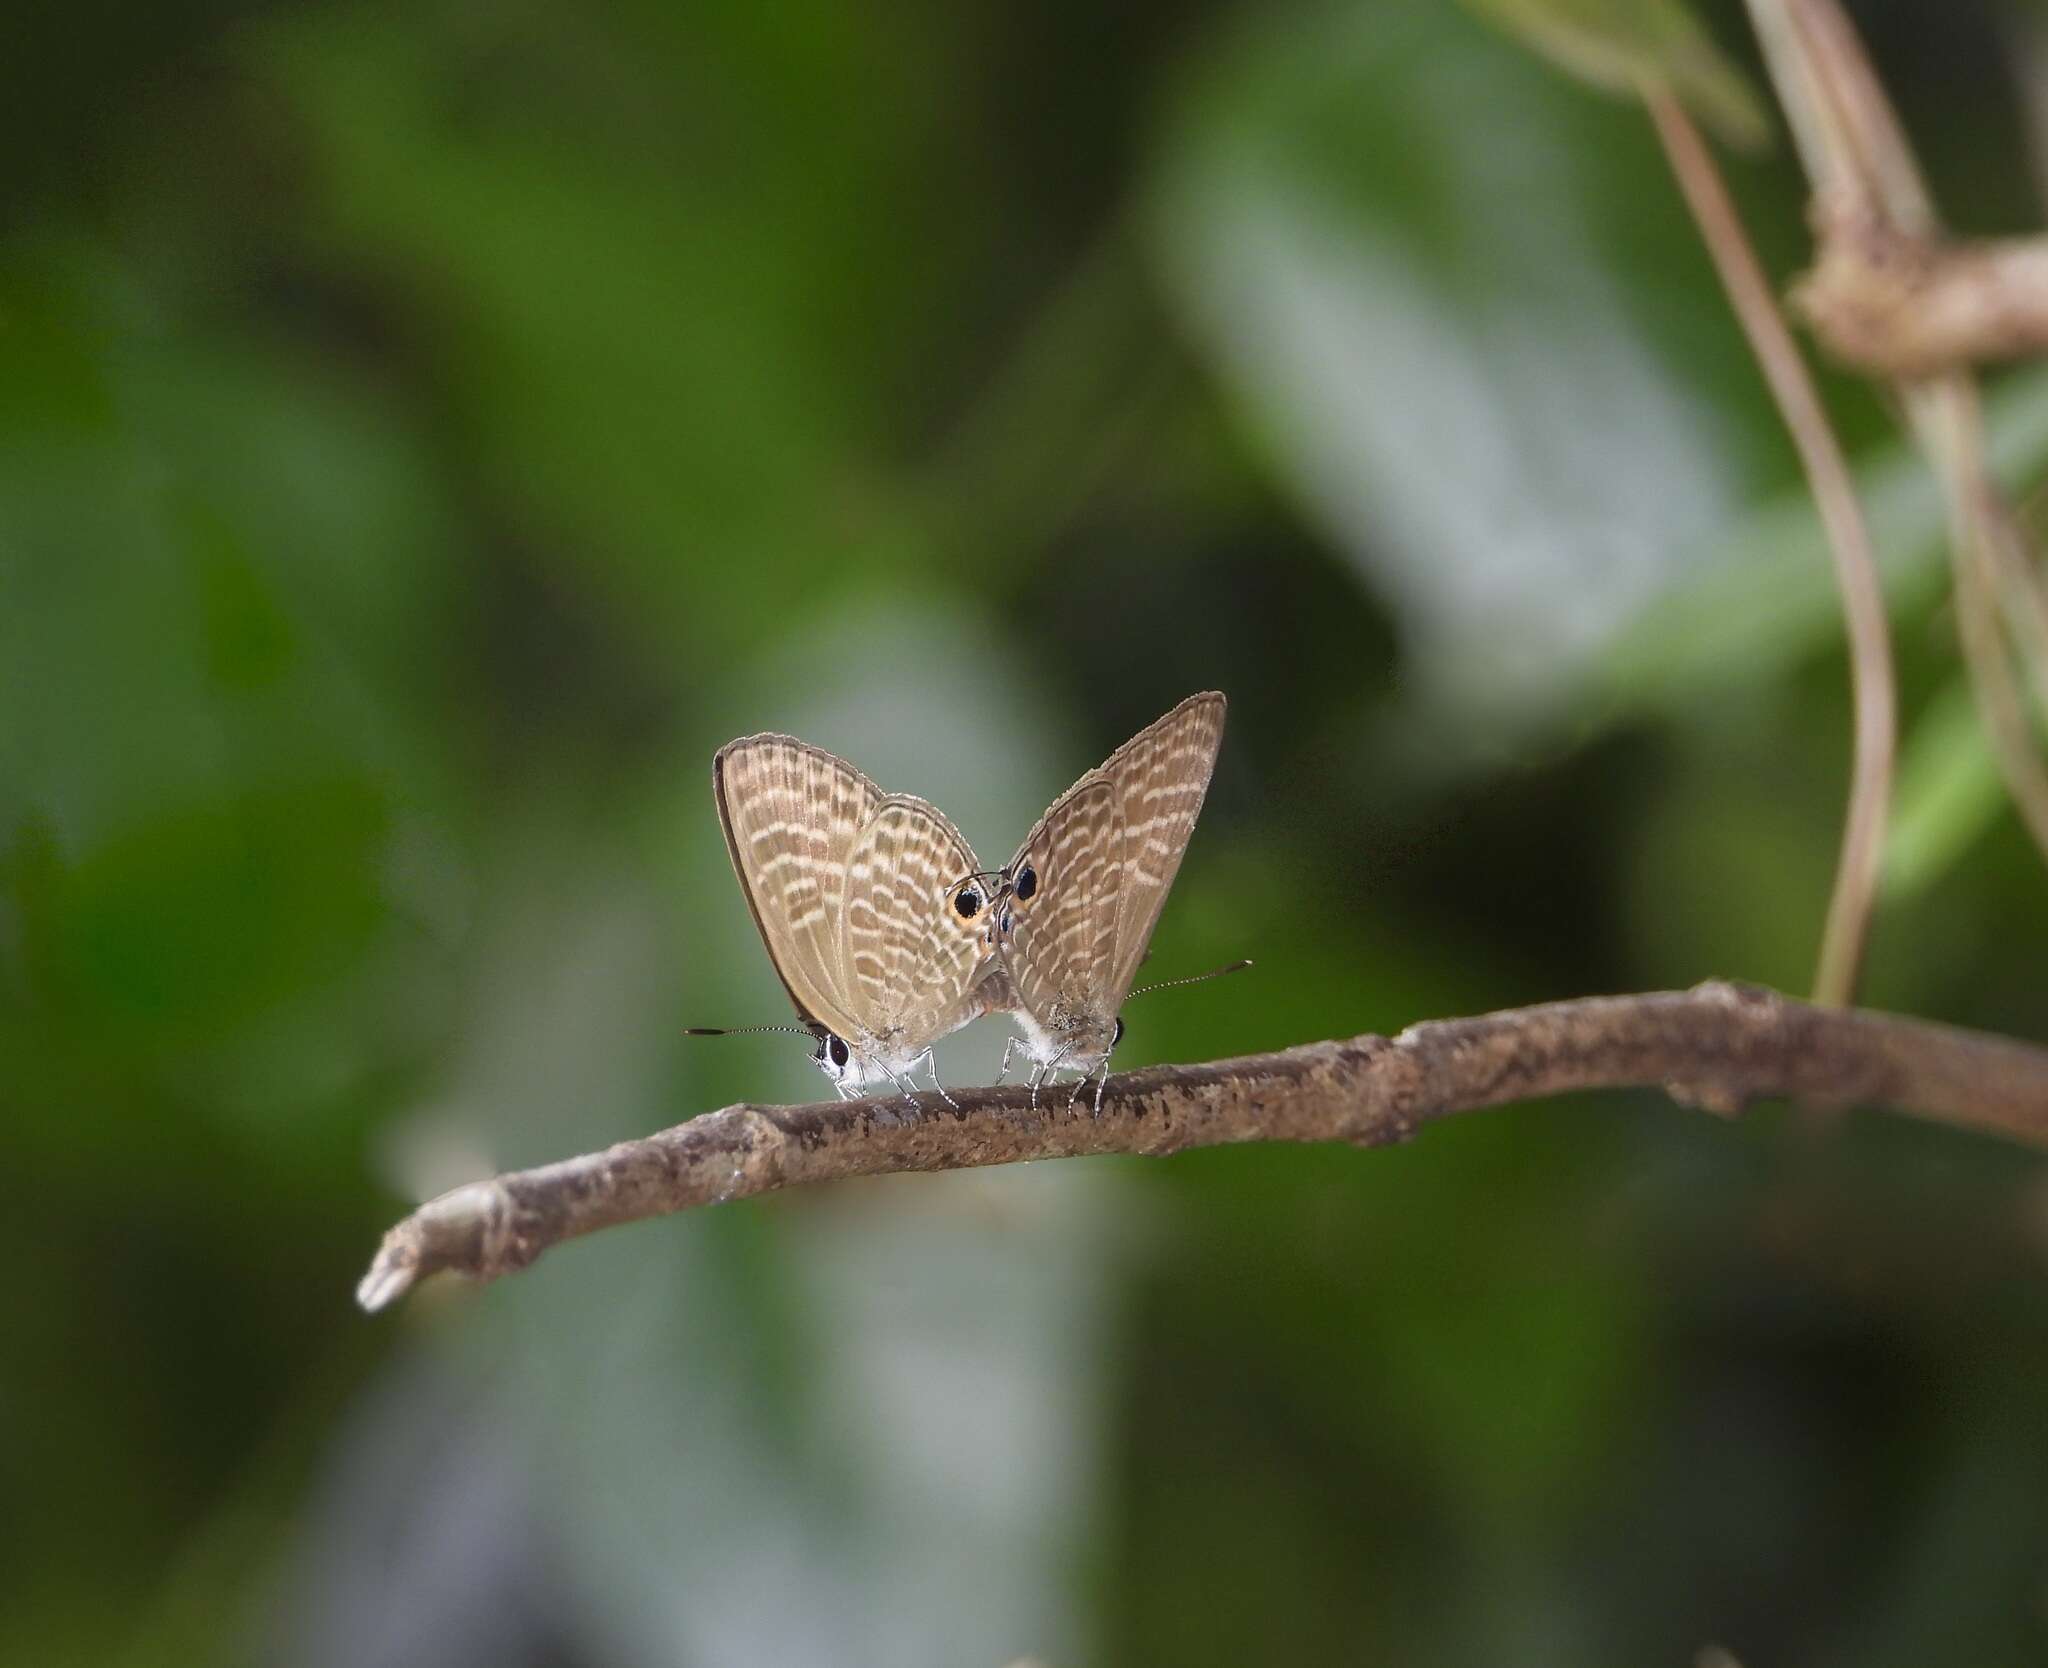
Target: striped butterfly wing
1161, 776
1122, 830
1061, 946
910, 956
791, 814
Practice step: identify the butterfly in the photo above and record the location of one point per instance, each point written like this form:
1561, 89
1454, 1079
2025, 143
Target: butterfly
871, 906
1071, 915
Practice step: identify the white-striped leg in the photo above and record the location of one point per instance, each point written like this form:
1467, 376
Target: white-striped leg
1010, 1046
902, 1088
1048, 1068
932, 1065
1100, 1072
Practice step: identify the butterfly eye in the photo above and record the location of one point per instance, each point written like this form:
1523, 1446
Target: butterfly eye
836, 1051
1026, 884
1119, 1036
968, 902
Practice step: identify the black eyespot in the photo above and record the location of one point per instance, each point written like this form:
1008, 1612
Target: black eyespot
1119, 1034
836, 1051
968, 901
1027, 884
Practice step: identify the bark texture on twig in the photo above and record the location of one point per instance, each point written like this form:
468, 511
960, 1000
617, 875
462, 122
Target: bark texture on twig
1717, 1047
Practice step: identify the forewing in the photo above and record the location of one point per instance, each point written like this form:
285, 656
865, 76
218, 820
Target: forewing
1160, 777
1062, 940
910, 958
791, 813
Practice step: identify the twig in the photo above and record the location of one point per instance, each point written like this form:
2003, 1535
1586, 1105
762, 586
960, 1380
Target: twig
1946, 417
1867, 186
1893, 305
1860, 866
1717, 1047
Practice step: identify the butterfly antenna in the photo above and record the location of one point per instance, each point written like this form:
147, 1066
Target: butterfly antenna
1193, 978
742, 1030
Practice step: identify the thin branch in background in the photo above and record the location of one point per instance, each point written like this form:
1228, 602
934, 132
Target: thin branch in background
1870, 193
1857, 156
1946, 415
1868, 190
1861, 864
2019, 578
1718, 1048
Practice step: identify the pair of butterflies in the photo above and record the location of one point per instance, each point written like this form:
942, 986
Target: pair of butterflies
888, 934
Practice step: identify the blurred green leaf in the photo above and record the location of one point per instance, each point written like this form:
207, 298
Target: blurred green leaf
219, 572
1762, 595
1729, 864
663, 371
1619, 45
1475, 377
200, 918
1949, 792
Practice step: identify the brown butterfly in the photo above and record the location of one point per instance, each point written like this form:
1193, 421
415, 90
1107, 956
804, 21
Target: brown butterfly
1073, 912
870, 905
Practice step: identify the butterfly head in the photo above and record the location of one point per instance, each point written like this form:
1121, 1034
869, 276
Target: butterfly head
851, 1068
856, 1068
833, 1056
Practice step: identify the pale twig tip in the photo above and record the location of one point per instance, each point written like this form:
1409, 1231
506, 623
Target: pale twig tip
390, 1278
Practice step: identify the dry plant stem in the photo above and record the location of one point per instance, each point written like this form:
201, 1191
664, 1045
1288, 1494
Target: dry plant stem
2024, 588
1947, 419
1861, 864
1867, 184
1717, 1047
1897, 306
1856, 155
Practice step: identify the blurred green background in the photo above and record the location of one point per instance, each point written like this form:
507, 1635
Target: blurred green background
428, 430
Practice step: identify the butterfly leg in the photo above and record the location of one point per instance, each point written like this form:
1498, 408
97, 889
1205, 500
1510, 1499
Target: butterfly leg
1042, 1073
1082, 1074
931, 1064
902, 1088
1057, 1063
1009, 1048
1101, 1083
